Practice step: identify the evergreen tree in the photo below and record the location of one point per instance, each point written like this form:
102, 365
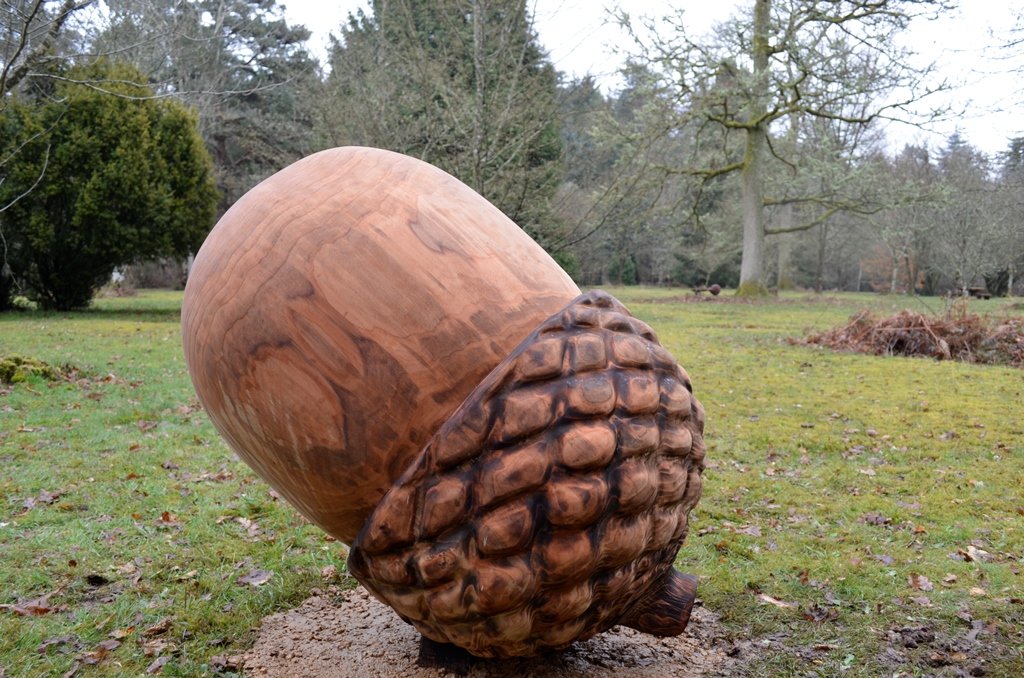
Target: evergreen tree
462, 84
239, 64
99, 179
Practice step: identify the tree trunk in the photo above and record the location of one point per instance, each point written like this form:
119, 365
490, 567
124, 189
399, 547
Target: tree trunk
784, 276
819, 274
911, 274
479, 101
751, 182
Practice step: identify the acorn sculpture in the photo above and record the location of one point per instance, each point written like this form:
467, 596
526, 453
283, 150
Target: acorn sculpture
512, 463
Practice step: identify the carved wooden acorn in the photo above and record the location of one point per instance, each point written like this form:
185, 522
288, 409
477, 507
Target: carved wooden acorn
512, 463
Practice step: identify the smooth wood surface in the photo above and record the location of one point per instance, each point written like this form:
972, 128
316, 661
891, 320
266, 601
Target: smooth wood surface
551, 505
342, 310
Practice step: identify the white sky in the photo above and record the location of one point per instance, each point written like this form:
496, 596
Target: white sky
581, 40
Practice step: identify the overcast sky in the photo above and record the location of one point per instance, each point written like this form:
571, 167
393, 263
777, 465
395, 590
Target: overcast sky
581, 40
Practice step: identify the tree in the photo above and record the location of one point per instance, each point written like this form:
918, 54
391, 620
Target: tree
462, 84
966, 225
99, 181
906, 227
239, 63
31, 36
835, 60
1009, 242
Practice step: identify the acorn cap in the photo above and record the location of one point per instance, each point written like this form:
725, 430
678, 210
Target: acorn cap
552, 504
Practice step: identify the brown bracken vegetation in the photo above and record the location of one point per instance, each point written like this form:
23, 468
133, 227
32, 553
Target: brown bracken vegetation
957, 335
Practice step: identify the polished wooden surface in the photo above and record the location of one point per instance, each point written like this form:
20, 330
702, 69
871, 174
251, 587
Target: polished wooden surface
342, 310
552, 504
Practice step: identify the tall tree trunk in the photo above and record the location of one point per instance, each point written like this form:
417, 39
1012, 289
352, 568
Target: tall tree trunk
819, 274
479, 102
751, 182
784, 276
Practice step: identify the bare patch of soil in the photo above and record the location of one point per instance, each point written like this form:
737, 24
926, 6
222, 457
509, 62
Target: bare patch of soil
349, 633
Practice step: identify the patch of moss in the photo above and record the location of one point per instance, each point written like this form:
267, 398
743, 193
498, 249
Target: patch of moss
751, 289
15, 369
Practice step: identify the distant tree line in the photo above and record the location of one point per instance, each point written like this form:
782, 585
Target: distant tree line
750, 158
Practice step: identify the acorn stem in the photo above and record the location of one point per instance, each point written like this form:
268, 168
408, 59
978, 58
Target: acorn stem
665, 610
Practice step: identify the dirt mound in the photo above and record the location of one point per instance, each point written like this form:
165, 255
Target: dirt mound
348, 633
956, 336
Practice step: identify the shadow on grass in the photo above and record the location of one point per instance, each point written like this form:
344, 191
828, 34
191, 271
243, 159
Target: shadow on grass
158, 315
147, 305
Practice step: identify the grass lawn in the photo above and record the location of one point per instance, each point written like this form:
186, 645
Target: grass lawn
860, 514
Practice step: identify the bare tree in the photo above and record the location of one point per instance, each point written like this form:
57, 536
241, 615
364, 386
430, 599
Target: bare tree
832, 60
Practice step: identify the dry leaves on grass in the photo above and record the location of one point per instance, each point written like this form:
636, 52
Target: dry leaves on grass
919, 582
35, 607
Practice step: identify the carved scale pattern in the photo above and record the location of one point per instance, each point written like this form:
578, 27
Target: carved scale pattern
552, 500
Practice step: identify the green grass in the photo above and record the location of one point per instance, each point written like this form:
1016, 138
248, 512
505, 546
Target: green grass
831, 480
120, 449
811, 450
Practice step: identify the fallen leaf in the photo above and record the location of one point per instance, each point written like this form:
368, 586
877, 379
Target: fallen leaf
949, 579
169, 466
875, 519
157, 666
919, 582
162, 626
977, 591
223, 663
256, 578
923, 601
885, 559
749, 530
156, 647
34, 607
104, 648
816, 613
44, 498
128, 568
56, 640
252, 528
168, 520
121, 634
144, 425
776, 602
975, 555
867, 471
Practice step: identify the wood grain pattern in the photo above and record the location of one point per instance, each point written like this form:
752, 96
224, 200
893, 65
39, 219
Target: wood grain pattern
342, 310
551, 505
